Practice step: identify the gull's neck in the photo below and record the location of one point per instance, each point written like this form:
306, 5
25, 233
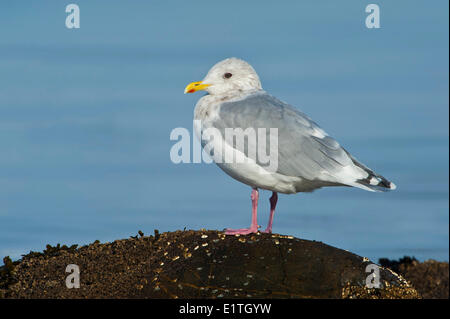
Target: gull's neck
208, 106
233, 95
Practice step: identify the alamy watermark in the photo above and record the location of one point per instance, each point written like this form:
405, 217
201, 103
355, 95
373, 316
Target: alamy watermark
373, 19
230, 146
373, 279
73, 17
73, 279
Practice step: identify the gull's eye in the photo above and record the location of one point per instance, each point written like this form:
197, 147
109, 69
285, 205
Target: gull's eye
227, 75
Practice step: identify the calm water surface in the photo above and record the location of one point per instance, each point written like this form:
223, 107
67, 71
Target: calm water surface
85, 119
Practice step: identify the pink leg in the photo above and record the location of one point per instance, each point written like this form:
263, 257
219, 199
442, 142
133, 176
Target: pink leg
273, 204
254, 226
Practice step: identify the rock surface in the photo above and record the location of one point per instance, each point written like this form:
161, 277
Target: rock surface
199, 264
430, 278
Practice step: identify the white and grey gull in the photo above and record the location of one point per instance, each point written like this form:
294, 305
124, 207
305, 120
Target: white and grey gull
307, 157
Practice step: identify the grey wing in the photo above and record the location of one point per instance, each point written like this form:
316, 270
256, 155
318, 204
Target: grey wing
304, 149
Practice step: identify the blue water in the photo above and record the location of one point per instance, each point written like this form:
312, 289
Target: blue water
85, 119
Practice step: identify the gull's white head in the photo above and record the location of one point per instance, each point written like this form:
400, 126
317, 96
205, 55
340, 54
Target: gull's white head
230, 76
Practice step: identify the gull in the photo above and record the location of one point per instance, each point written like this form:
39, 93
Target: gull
307, 157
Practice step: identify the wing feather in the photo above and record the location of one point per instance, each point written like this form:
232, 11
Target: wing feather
304, 149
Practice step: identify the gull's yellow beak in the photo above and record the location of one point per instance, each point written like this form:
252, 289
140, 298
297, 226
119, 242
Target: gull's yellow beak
195, 86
